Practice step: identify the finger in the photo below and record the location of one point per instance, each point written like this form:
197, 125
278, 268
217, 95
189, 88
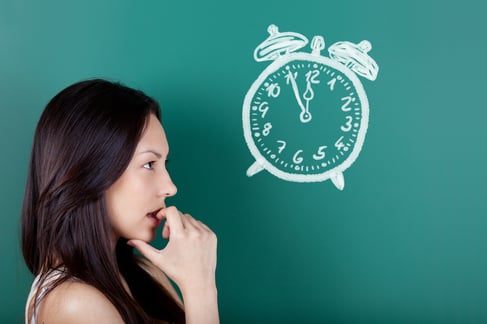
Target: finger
205, 226
198, 224
173, 219
189, 220
166, 231
147, 250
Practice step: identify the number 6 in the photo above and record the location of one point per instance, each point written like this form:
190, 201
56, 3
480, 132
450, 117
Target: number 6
296, 158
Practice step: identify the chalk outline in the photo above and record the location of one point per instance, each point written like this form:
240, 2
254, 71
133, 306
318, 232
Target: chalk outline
335, 174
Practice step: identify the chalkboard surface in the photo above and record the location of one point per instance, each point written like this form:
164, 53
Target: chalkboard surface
403, 242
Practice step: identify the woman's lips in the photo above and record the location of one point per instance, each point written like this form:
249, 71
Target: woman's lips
152, 216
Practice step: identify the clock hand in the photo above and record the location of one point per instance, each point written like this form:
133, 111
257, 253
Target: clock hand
308, 95
304, 116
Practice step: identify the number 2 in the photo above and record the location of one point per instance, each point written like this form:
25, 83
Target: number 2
345, 106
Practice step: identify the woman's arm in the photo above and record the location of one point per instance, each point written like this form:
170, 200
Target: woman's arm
189, 259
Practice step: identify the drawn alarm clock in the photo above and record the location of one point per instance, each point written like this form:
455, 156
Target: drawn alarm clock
306, 116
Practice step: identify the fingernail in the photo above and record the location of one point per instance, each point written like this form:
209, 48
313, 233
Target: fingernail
131, 243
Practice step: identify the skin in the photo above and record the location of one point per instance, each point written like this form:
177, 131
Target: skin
189, 258
142, 188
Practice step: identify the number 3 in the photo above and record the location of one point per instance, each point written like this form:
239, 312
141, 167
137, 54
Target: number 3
348, 124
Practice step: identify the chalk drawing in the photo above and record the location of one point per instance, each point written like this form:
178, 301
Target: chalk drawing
306, 115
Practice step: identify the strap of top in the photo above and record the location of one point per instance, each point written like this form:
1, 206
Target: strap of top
46, 285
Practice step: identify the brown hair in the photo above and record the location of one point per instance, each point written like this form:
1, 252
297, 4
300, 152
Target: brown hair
83, 142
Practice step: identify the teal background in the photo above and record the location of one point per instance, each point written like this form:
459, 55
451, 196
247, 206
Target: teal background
405, 242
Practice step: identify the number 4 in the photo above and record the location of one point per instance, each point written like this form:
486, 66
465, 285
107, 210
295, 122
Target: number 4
339, 144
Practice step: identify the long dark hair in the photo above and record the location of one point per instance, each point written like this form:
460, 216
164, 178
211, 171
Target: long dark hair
83, 142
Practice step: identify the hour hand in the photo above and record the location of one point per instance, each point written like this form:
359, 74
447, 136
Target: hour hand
305, 115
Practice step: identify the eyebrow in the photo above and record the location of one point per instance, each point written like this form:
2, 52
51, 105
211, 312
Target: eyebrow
159, 155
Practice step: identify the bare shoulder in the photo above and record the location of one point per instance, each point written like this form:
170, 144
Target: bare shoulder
77, 302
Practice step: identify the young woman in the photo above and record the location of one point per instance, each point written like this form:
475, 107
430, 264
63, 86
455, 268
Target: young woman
96, 189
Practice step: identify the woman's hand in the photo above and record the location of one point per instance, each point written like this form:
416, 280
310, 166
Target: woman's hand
189, 259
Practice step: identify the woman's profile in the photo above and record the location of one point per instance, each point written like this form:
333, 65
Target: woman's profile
96, 189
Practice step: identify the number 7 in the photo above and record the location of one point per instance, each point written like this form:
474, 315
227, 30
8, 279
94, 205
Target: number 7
282, 147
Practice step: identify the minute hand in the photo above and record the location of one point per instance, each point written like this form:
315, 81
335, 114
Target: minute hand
304, 116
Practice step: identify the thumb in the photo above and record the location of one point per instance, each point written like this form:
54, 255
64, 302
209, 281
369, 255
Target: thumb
147, 250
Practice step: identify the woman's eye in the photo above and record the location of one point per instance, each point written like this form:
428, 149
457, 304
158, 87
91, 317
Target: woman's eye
149, 165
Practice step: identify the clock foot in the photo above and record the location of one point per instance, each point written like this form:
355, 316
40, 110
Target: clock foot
256, 167
338, 180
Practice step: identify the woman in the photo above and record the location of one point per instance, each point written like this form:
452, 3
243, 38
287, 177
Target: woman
96, 188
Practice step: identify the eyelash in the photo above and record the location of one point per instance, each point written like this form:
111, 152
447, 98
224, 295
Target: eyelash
151, 163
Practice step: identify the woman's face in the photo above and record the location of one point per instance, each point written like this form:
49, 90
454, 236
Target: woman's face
143, 187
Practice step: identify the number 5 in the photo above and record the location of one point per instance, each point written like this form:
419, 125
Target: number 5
320, 155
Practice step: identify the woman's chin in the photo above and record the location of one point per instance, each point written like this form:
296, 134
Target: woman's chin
146, 237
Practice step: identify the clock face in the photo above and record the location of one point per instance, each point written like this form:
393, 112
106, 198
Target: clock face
305, 117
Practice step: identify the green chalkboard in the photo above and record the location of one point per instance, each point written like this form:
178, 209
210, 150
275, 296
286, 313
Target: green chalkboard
403, 242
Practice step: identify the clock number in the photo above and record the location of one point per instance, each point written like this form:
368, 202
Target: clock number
290, 76
348, 100
263, 108
331, 83
267, 129
296, 158
339, 144
273, 90
282, 147
320, 155
348, 124
312, 75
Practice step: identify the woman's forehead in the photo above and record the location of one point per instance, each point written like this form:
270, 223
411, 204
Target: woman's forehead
154, 137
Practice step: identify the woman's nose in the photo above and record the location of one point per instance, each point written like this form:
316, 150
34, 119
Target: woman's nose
167, 187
